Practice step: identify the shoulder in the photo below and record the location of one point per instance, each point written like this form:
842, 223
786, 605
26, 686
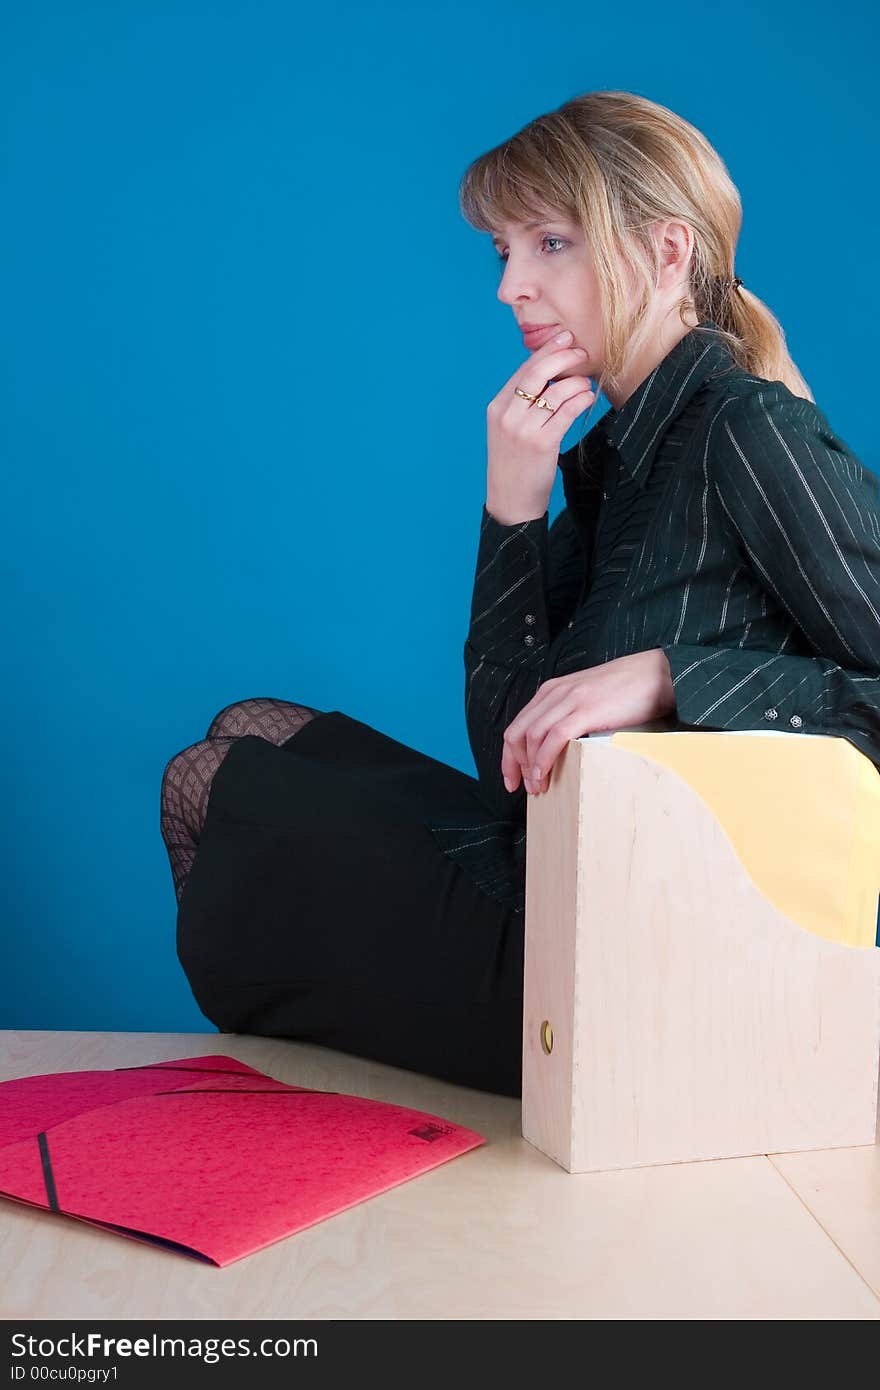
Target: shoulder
760, 429
754, 404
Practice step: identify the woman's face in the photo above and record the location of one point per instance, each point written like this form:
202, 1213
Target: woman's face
548, 278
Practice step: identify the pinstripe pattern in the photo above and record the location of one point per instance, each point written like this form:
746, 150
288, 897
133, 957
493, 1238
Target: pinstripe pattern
717, 516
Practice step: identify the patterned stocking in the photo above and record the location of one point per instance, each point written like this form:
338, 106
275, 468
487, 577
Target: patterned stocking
187, 779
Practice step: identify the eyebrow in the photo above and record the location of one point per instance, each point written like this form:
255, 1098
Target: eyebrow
530, 226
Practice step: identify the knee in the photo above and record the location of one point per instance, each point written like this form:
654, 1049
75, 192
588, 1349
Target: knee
173, 769
234, 720
178, 767
264, 716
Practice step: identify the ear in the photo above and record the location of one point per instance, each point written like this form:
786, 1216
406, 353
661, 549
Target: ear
675, 243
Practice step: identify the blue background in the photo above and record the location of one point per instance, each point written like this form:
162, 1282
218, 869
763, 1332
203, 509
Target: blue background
247, 346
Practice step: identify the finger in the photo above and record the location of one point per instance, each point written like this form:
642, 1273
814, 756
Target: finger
512, 778
558, 705
557, 739
510, 769
515, 732
555, 409
566, 408
527, 733
543, 364
512, 758
536, 374
515, 766
548, 732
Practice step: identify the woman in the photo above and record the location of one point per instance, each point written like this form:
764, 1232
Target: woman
717, 563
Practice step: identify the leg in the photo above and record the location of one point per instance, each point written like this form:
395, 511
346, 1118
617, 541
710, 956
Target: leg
274, 720
323, 911
186, 782
186, 785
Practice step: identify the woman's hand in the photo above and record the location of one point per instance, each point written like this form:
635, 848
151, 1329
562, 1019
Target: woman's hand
524, 439
629, 690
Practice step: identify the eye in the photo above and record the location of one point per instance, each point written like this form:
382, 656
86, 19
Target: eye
502, 259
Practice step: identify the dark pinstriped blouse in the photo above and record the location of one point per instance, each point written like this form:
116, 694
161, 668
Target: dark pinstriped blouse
716, 516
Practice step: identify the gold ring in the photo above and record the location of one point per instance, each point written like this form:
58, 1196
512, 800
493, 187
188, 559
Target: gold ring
525, 395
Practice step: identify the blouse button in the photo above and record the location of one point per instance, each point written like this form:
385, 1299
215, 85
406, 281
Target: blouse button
770, 714
796, 721
530, 617
529, 640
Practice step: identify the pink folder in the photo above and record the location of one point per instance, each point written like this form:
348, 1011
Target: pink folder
205, 1155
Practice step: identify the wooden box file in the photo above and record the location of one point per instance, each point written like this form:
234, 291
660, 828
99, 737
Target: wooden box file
701, 978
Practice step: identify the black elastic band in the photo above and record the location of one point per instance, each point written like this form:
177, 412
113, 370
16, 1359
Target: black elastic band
47, 1172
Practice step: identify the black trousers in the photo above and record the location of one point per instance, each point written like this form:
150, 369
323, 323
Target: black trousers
320, 907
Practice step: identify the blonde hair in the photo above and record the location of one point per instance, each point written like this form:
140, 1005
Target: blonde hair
615, 162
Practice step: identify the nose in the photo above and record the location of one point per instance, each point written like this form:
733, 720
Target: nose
515, 282
514, 287
506, 289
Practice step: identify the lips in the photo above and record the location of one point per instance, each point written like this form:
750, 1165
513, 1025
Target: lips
533, 338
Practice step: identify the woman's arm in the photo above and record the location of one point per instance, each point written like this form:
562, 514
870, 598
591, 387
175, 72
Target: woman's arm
806, 515
527, 583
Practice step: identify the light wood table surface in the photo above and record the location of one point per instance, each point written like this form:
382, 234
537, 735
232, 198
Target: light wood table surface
498, 1233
